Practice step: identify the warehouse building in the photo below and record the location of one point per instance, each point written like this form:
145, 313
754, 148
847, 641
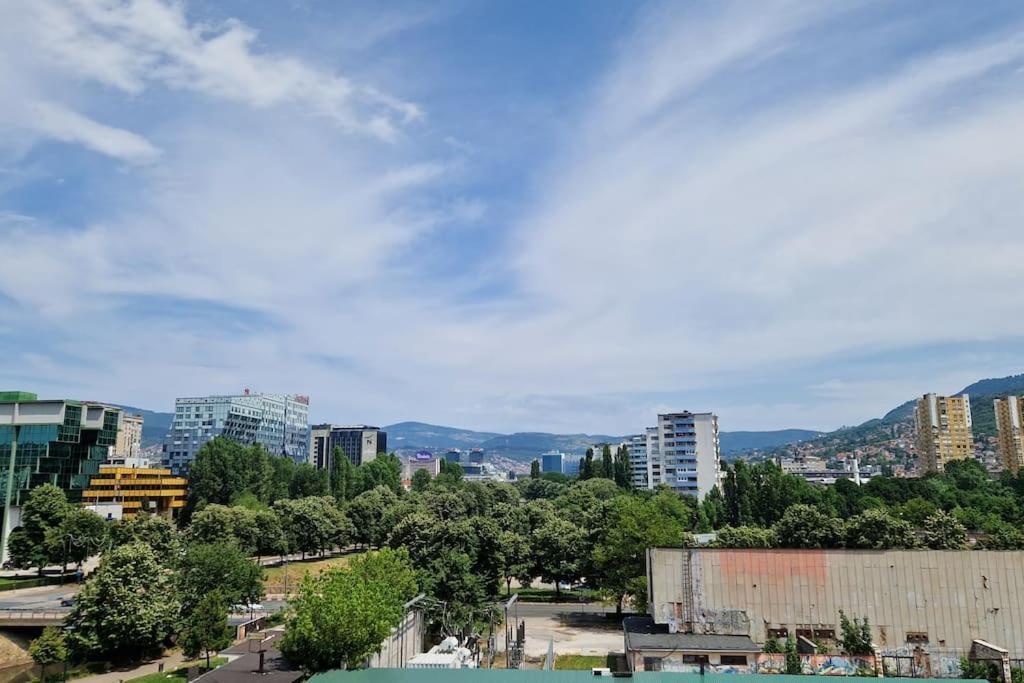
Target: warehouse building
931, 601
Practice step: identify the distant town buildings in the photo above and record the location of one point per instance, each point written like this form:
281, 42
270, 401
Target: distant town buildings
124, 492
359, 443
816, 470
60, 442
1009, 438
943, 430
454, 455
279, 422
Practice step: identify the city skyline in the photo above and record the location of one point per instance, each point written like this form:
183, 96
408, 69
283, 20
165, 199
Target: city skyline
556, 218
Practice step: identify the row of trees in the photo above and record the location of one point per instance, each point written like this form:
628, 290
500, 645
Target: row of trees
935, 511
226, 473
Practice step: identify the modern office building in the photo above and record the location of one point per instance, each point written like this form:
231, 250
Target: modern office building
359, 443
476, 456
552, 461
280, 423
943, 430
59, 442
124, 492
453, 455
1010, 439
424, 460
129, 437
683, 453
636, 446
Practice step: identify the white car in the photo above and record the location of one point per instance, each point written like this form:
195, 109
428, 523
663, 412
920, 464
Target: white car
254, 607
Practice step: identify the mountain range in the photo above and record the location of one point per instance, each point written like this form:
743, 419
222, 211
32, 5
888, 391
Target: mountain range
412, 436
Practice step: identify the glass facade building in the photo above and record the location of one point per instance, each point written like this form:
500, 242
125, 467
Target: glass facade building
280, 423
59, 442
359, 443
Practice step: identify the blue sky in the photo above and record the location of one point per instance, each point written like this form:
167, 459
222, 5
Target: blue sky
513, 216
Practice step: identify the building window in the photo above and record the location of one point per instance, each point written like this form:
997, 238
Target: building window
736, 660
695, 659
824, 634
778, 632
918, 637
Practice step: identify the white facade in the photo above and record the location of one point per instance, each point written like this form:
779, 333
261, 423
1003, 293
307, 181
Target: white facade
636, 445
683, 453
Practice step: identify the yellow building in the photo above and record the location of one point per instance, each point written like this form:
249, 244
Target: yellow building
943, 430
1009, 416
129, 436
125, 491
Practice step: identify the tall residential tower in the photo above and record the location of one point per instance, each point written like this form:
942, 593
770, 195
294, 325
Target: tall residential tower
1009, 416
943, 430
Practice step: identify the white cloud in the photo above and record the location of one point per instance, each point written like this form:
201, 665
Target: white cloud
57, 122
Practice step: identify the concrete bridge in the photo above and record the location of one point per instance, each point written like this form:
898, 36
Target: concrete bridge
24, 618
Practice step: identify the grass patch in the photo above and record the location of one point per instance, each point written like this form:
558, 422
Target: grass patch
275, 576
580, 662
8, 583
179, 675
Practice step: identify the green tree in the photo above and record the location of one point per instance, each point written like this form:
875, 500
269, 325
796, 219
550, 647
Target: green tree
383, 470
156, 532
804, 526
745, 537
342, 616
222, 568
634, 524
535, 469
48, 649
623, 469
313, 524
876, 529
83, 533
342, 476
1003, 537
942, 531
793, 665
270, 537
38, 542
420, 481
587, 466
214, 523
559, 548
217, 474
738, 486
206, 628
855, 635
607, 463
367, 512
308, 481
126, 609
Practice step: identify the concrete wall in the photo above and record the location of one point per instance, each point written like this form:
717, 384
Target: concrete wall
405, 642
952, 596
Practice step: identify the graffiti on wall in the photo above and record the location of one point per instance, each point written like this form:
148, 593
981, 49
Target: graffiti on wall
817, 665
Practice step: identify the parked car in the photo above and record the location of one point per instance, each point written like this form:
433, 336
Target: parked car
68, 601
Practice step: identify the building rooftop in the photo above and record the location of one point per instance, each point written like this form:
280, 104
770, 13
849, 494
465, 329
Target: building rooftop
643, 634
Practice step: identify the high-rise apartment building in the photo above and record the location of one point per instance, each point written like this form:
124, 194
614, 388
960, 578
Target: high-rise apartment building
129, 437
943, 430
636, 446
59, 442
685, 453
1010, 436
359, 443
280, 423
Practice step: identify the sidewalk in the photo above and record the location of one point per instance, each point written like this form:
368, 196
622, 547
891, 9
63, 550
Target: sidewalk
170, 662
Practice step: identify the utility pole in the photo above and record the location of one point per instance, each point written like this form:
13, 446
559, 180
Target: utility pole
5, 532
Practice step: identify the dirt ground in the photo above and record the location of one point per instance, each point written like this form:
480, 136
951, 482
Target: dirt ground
14, 648
573, 634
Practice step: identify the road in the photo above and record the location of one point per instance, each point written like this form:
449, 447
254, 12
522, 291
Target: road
40, 598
